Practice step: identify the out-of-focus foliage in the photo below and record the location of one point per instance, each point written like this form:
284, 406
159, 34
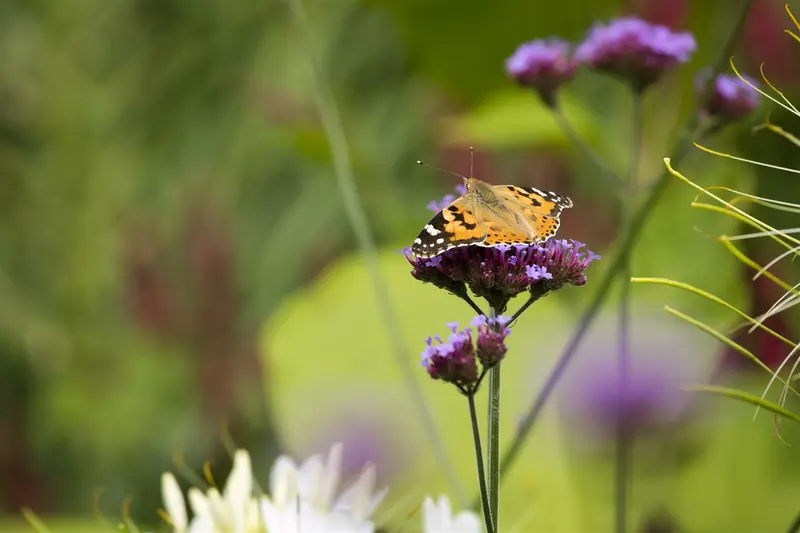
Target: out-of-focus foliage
174, 253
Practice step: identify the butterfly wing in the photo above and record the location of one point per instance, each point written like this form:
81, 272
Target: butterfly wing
539, 209
533, 200
455, 225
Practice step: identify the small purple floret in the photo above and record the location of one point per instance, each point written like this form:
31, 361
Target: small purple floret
542, 65
634, 49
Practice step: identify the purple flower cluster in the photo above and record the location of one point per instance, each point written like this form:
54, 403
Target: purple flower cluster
456, 360
628, 47
634, 49
499, 273
542, 65
731, 98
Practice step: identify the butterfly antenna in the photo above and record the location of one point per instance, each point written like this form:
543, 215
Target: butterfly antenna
441, 170
471, 161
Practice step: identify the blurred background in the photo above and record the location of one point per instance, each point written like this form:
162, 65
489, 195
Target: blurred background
178, 273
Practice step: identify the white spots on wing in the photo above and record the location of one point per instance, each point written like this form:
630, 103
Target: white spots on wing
417, 241
439, 240
432, 231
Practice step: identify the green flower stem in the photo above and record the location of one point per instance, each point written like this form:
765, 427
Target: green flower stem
493, 445
476, 436
340, 154
626, 243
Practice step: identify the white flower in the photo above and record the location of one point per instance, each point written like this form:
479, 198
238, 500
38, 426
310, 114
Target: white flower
233, 511
438, 518
304, 499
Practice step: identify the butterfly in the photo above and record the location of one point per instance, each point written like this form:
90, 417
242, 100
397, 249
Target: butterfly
488, 215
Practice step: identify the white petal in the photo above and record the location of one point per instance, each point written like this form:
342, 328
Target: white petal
202, 524
309, 478
280, 519
283, 481
466, 522
239, 486
173, 501
445, 513
331, 476
430, 516
358, 498
438, 518
199, 503
221, 512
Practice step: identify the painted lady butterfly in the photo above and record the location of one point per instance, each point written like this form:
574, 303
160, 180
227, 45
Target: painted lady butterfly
488, 215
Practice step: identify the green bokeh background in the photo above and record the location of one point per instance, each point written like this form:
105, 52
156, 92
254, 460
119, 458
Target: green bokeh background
175, 255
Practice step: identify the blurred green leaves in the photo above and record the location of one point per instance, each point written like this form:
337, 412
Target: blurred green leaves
516, 118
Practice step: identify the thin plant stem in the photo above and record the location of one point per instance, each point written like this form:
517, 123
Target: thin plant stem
472, 304
493, 440
476, 436
531, 299
340, 155
566, 126
626, 242
623, 442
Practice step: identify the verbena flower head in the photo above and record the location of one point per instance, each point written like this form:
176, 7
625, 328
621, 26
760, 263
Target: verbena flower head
452, 361
731, 98
456, 360
499, 273
634, 49
543, 65
492, 333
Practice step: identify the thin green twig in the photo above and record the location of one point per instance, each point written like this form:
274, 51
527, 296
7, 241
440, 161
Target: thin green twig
493, 440
476, 436
334, 132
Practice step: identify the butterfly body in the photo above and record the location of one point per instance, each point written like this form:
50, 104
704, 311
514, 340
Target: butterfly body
488, 215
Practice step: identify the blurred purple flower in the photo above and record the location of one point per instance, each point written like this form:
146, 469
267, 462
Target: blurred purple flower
367, 434
650, 399
664, 360
731, 98
634, 49
499, 273
452, 361
542, 65
435, 206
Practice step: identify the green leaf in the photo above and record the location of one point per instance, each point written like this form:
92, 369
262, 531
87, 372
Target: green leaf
748, 398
